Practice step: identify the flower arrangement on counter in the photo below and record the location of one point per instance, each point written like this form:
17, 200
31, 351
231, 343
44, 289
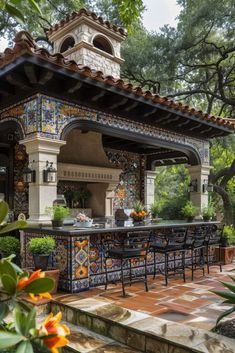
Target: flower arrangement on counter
82, 220
139, 213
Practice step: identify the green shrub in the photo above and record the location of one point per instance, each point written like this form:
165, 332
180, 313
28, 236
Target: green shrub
45, 245
9, 245
57, 212
155, 209
189, 210
229, 232
209, 211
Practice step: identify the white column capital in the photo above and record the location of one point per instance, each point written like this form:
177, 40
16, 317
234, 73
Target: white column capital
199, 169
42, 144
150, 174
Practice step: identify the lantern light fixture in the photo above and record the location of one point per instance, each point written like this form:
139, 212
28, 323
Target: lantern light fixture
193, 186
29, 174
49, 174
206, 186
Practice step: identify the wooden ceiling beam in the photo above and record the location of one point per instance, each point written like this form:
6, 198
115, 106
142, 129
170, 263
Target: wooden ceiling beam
45, 76
74, 87
131, 106
118, 104
151, 112
31, 74
18, 80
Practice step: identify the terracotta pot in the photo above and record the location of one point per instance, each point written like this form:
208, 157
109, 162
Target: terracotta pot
226, 254
54, 274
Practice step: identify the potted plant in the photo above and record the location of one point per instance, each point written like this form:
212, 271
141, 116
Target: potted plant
208, 212
10, 245
189, 211
139, 213
154, 210
228, 236
83, 221
42, 249
58, 214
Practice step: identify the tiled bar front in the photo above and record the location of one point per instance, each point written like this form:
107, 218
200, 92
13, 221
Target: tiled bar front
79, 254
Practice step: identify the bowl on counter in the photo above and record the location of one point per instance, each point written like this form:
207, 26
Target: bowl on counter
85, 224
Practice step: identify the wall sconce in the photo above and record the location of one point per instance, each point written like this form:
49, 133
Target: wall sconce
29, 175
206, 186
193, 186
49, 174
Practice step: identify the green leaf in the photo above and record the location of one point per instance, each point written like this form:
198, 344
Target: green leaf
229, 286
40, 285
31, 320
229, 296
24, 347
4, 310
35, 6
224, 314
9, 284
20, 321
4, 209
7, 268
13, 226
14, 12
8, 339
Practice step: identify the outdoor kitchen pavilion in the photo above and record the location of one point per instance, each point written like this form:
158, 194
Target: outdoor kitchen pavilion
46, 99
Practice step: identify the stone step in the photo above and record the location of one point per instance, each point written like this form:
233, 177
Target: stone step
82, 340
137, 330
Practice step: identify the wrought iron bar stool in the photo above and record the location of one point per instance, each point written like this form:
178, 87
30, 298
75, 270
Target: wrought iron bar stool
213, 241
195, 242
170, 244
133, 246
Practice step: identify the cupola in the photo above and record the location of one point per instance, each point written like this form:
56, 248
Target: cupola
90, 41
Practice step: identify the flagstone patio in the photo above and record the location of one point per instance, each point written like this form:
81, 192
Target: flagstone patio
191, 303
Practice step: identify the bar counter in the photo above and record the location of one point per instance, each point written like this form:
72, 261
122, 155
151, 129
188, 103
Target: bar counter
79, 252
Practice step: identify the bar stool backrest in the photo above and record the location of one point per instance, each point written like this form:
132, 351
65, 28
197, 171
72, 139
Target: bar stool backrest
177, 236
139, 240
196, 236
215, 234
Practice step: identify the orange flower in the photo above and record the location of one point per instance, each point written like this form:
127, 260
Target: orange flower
24, 281
37, 297
52, 326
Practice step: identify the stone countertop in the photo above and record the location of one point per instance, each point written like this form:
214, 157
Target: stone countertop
110, 228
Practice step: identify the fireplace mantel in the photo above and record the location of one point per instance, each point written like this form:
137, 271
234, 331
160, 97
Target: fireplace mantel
75, 172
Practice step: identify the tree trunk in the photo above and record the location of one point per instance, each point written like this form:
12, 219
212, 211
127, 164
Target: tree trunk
227, 203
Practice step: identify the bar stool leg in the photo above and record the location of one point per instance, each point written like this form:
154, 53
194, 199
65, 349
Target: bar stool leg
192, 259
130, 274
220, 260
106, 274
154, 264
146, 274
174, 263
208, 259
166, 269
122, 275
203, 261
183, 265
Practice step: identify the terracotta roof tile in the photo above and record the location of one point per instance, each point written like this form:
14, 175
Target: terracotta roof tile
24, 44
88, 14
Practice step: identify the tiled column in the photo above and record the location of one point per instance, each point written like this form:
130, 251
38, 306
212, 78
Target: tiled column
149, 187
41, 194
199, 173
